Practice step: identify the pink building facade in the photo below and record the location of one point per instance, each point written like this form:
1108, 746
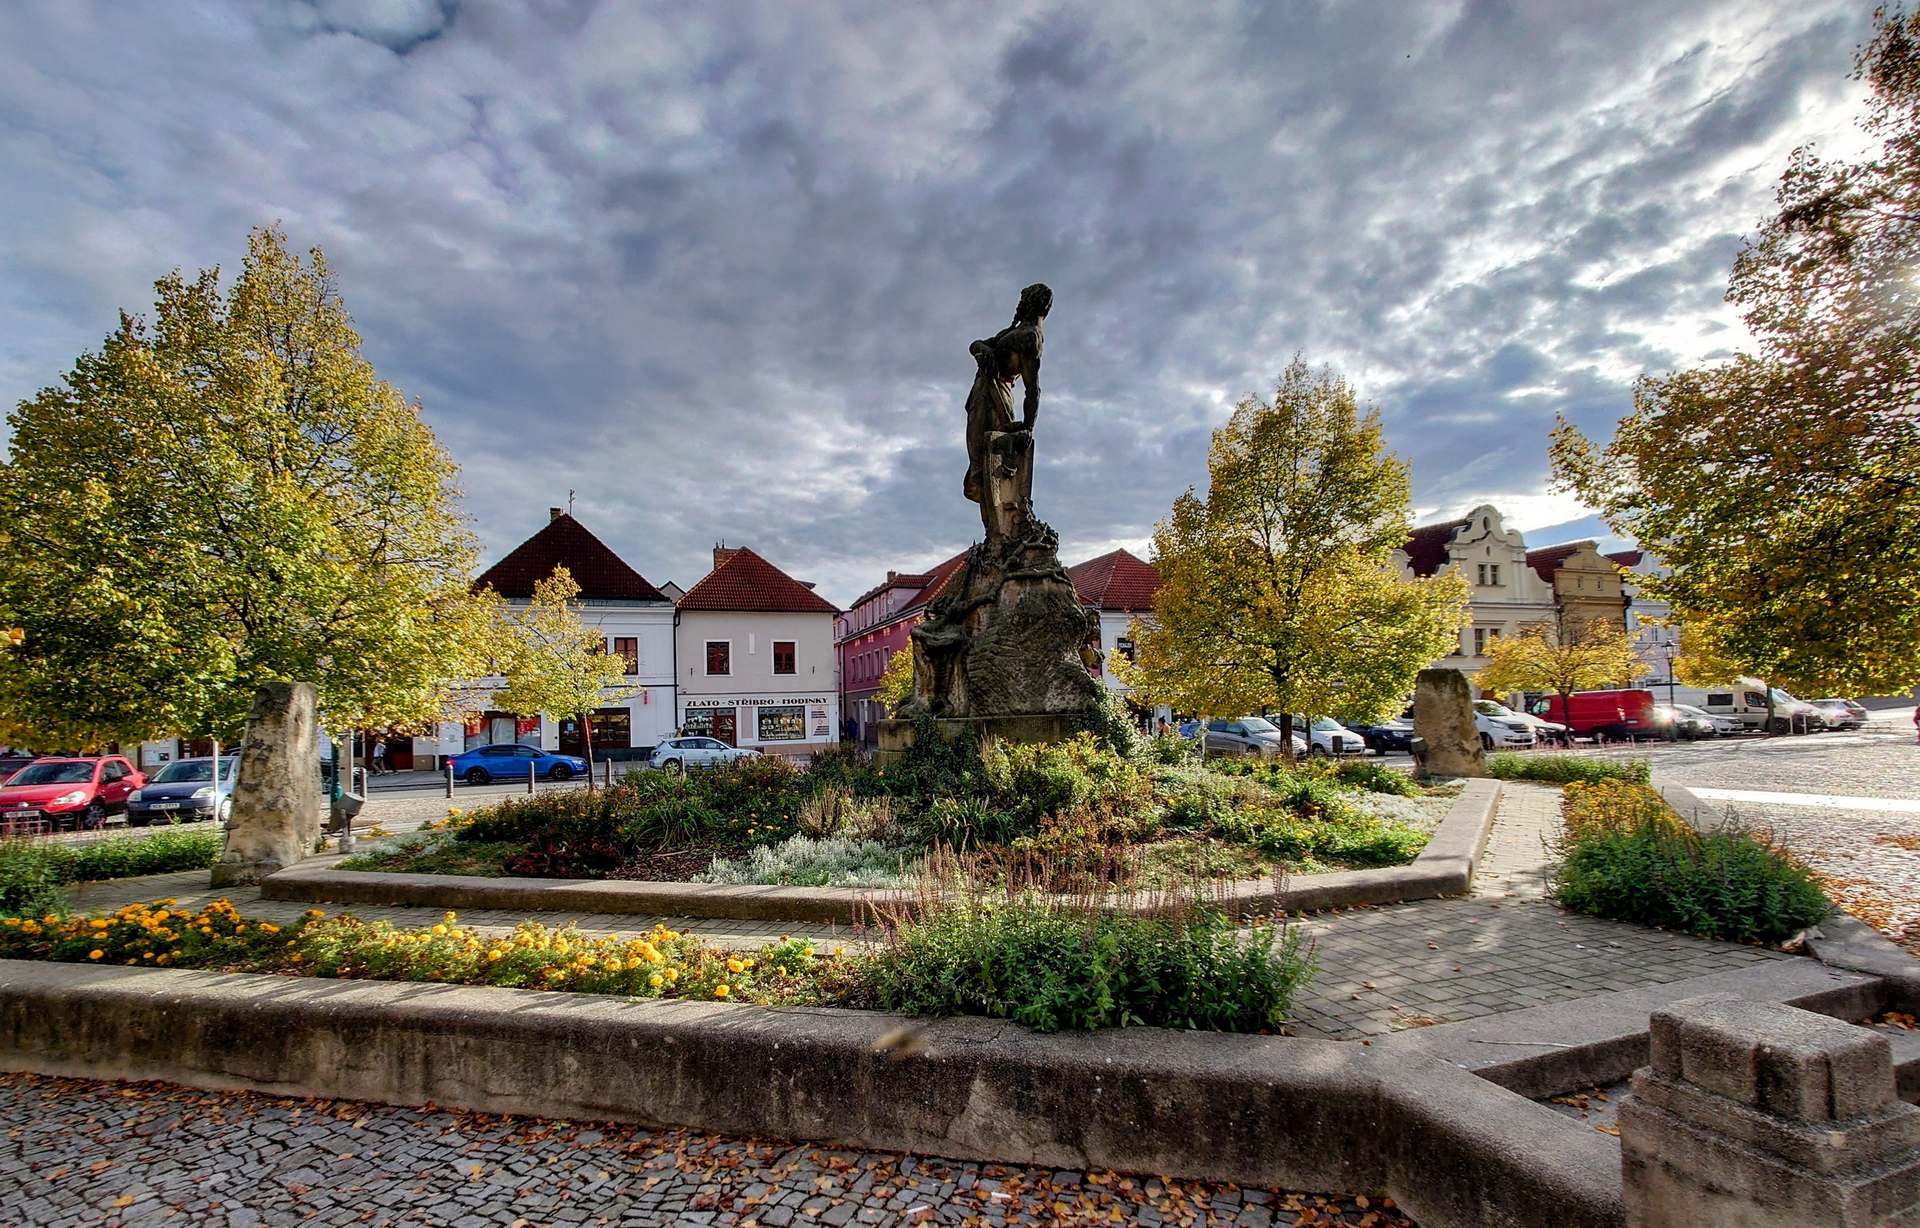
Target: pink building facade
875, 627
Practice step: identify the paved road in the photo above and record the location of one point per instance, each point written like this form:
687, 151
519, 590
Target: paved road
75, 1152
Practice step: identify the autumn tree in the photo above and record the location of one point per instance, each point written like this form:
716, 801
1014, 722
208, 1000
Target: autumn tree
554, 663
220, 495
1782, 487
1278, 588
896, 682
1545, 658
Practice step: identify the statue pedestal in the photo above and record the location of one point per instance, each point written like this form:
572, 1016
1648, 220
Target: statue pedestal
897, 736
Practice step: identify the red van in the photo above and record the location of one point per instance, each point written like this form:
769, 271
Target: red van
1611, 714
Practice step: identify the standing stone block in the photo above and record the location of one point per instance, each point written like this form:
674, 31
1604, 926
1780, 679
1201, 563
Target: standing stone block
277, 805
1443, 716
1759, 1114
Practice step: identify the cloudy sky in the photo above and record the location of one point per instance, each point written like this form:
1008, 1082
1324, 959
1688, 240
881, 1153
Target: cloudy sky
718, 277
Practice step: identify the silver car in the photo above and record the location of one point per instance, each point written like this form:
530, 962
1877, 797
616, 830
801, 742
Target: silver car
679, 754
1249, 735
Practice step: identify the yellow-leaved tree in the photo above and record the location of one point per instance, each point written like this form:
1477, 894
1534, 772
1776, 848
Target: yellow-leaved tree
555, 664
222, 495
896, 682
1278, 589
1782, 487
1544, 657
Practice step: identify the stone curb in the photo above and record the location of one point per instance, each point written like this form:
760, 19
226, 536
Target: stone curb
1451, 1148
1444, 867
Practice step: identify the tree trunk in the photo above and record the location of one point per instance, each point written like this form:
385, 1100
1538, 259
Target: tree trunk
1286, 735
586, 732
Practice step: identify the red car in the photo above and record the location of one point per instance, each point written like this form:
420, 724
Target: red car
75, 792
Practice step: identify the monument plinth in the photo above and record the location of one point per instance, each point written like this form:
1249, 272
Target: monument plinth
1004, 650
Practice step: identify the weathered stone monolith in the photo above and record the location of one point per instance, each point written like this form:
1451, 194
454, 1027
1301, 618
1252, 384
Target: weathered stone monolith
1767, 1116
1443, 718
277, 802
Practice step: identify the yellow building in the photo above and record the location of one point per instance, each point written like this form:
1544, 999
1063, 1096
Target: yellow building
1587, 585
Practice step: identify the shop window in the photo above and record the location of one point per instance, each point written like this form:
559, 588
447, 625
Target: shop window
627, 648
719, 657
783, 657
612, 729
783, 724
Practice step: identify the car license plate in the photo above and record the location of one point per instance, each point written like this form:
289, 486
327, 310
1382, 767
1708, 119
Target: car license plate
20, 814
166, 805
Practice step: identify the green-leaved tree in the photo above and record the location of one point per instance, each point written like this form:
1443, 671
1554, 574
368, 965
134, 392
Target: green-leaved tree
1783, 487
555, 664
220, 495
1278, 588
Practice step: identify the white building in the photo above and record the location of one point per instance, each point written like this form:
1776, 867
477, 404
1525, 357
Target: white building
637, 621
1505, 593
758, 665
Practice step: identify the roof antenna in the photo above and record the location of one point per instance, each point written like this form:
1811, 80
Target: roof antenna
569, 501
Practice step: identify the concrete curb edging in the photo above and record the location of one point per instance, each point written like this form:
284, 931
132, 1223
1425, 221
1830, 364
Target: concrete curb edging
1444, 867
1451, 1148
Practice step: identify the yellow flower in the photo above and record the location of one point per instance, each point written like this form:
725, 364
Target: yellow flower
316, 912
493, 955
721, 990
100, 923
735, 966
295, 957
656, 980
440, 929
96, 953
673, 974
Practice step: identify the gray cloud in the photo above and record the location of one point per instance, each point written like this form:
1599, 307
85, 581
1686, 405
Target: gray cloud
718, 276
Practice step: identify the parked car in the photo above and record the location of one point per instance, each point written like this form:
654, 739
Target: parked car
12, 761
1326, 736
1250, 735
510, 760
1604, 714
184, 790
1723, 726
1491, 712
1841, 713
1390, 735
1744, 700
679, 754
76, 791
1686, 722
1500, 728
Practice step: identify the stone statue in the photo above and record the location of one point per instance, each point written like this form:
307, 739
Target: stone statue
1443, 719
1009, 636
276, 800
999, 446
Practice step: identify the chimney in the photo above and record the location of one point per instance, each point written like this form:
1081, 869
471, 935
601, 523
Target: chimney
555, 513
721, 553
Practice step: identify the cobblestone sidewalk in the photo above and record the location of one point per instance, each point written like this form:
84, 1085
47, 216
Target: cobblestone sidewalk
1505, 948
84, 1153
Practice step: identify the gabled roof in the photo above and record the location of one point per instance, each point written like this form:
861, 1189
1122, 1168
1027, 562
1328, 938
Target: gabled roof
1547, 560
1627, 558
564, 542
1426, 548
938, 579
745, 581
1116, 581
915, 580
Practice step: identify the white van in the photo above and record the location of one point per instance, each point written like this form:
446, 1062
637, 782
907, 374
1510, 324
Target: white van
1746, 700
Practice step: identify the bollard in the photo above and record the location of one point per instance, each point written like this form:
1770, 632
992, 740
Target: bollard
449, 778
606, 773
530, 778
1767, 1116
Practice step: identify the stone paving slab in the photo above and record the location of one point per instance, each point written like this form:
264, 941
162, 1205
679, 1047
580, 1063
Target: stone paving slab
1506, 948
76, 1152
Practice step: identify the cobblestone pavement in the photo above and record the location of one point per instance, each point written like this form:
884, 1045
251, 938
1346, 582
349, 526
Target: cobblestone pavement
84, 1153
1504, 948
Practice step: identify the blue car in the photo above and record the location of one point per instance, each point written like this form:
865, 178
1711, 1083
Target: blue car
184, 791
509, 761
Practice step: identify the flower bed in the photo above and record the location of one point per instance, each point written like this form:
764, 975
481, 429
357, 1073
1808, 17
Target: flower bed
1059, 815
35, 873
1046, 964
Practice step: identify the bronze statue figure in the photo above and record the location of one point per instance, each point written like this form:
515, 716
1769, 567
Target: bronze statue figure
999, 446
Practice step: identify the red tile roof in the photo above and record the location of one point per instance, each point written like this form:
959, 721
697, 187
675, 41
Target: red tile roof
1427, 547
1627, 558
1547, 560
938, 579
1116, 581
745, 581
564, 542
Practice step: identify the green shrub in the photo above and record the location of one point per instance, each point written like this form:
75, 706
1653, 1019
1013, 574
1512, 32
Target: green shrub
969, 823
1724, 884
828, 861
33, 872
1111, 725
1374, 778
1050, 966
1565, 769
1172, 750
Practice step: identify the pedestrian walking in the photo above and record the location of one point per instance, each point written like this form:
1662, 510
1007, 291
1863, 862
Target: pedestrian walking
379, 756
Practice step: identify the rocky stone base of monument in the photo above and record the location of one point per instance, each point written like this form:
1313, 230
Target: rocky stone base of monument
897, 736
277, 803
1009, 637
1443, 719
1761, 1114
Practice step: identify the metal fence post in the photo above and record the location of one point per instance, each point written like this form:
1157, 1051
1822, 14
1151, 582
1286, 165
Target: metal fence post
449, 777
607, 772
530, 777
